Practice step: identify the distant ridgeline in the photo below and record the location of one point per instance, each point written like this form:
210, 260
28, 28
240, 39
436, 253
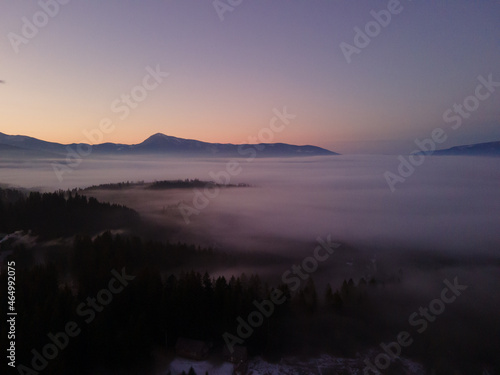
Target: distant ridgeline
14, 146
62, 213
162, 185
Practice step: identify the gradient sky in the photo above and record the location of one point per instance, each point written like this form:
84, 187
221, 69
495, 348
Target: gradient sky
227, 76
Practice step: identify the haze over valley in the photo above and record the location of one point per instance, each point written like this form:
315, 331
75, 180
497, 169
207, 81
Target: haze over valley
250, 187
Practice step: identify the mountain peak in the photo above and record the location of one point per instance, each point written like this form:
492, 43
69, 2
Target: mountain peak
158, 136
160, 140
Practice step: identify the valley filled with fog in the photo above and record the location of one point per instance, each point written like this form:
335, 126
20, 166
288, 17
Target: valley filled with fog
449, 207
448, 204
440, 224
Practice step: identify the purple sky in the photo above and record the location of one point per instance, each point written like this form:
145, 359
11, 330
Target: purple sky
226, 76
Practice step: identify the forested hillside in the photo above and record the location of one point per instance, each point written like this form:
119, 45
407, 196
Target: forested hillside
163, 292
51, 215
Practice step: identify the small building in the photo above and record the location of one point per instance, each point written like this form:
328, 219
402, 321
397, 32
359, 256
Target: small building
239, 354
240, 368
191, 349
239, 359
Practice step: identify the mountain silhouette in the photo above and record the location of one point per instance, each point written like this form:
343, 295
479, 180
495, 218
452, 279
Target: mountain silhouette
162, 144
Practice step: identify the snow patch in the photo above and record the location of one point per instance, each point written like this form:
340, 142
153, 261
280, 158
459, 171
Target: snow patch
200, 367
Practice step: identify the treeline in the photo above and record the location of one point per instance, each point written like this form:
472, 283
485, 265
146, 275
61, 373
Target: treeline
11, 195
157, 306
61, 213
166, 300
116, 186
187, 183
162, 185
153, 310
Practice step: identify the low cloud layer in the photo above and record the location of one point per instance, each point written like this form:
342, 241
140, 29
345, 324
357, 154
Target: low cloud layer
442, 222
449, 203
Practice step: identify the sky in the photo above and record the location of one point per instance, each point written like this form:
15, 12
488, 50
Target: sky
231, 67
